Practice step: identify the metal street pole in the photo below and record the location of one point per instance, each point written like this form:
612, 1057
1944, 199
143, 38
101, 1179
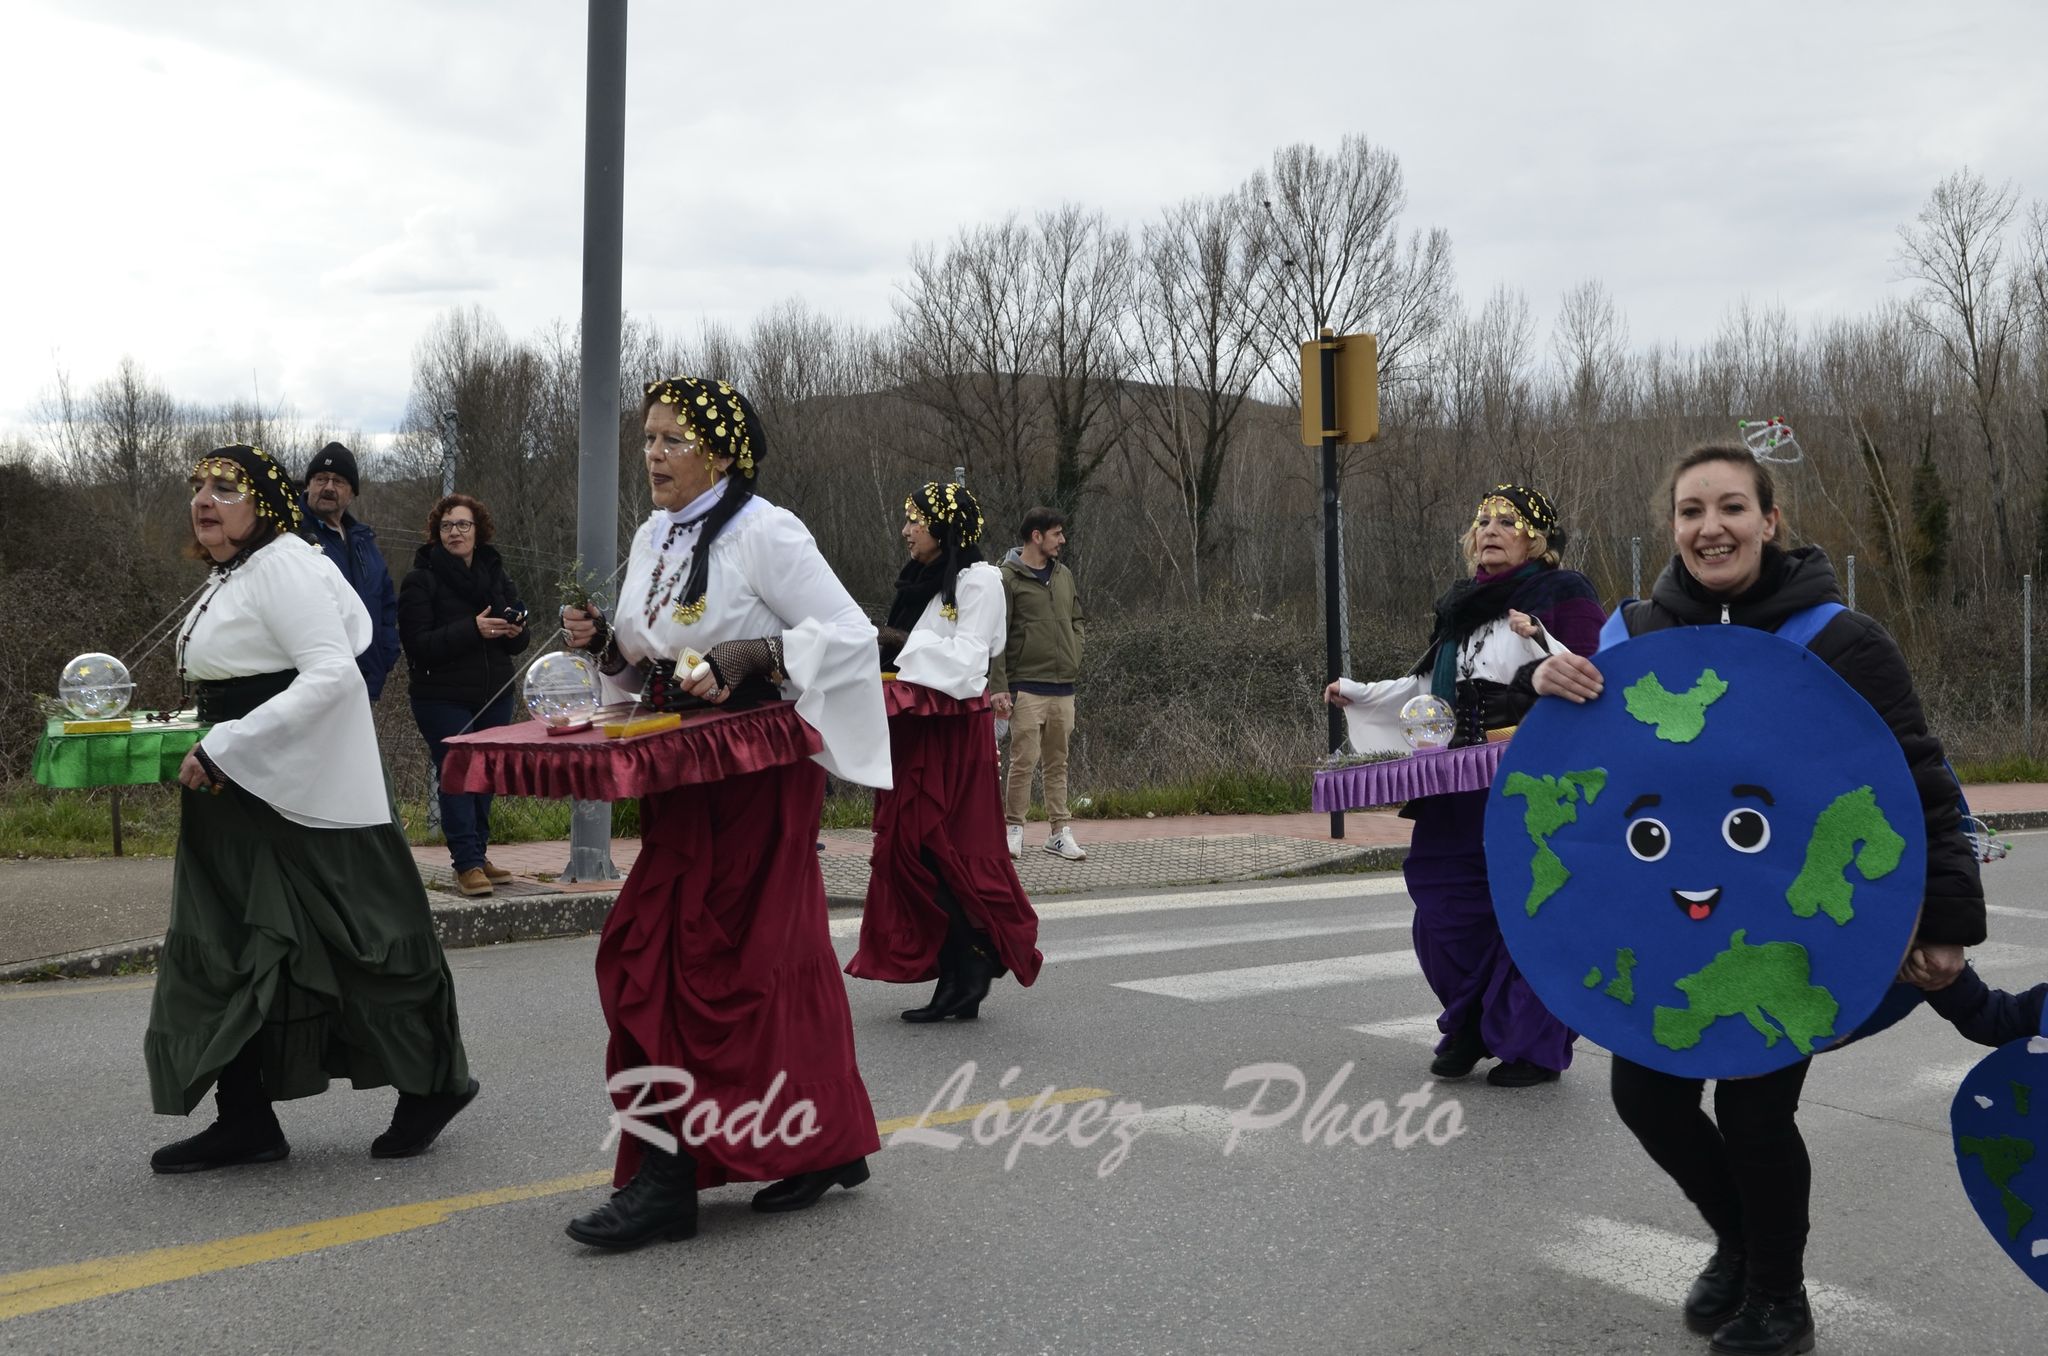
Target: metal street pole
597, 470
451, 449
1333, 548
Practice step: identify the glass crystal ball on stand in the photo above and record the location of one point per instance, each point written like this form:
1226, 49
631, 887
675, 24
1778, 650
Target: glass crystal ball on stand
95, 687
1427, 723
562, 691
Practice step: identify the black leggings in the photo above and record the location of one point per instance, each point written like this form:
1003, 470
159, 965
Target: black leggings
1746, 1169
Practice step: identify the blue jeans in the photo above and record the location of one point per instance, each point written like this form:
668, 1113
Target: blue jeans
465, 818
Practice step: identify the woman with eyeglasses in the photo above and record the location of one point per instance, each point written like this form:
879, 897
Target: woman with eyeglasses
461, 622
300, 945
717, 958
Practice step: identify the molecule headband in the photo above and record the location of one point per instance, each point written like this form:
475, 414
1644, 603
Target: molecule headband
721, 418
256, 475
950, 506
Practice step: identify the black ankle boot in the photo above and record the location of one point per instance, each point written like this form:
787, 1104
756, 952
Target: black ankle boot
246, 1130
660, 1202
418, 1119
1716, 1294
1463, 1054
795, 1193
948, 991
1520, 1073
978, 968
1767, 1326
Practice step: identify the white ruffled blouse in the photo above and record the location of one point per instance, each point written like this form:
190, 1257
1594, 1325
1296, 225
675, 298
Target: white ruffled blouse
767, 578
951, 655
310, 751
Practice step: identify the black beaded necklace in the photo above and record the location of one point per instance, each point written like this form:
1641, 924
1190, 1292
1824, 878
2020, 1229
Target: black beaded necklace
661, 591
221, 572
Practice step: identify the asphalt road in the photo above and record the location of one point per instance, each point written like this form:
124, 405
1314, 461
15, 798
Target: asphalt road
1540, 1228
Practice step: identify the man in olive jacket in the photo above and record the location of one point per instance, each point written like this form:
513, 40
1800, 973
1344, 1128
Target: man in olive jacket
1031, 683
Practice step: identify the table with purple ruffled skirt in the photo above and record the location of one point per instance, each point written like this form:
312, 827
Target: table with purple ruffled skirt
1409, 777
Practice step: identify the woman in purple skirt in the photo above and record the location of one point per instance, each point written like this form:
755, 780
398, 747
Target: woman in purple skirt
1492, 630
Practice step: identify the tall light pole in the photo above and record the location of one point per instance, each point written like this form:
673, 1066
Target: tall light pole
597, 469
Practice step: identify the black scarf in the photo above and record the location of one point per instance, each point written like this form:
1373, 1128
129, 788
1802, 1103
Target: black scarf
1465, 607
470, 582
916, 585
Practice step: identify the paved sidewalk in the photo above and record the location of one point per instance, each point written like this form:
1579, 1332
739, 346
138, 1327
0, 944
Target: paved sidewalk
104, 915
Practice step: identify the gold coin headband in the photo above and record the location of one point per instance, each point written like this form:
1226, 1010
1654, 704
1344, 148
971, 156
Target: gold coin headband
949, 505
1534, 514
255, 474
718, 414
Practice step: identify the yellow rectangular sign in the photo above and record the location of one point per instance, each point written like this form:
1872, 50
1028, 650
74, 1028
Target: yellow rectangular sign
1358, 389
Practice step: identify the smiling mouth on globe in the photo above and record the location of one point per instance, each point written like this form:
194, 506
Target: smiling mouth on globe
1697, 904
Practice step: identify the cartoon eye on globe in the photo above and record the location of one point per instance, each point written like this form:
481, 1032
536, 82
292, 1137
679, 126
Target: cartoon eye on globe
1715, 868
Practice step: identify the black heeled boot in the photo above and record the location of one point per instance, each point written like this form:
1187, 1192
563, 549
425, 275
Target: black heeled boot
246, 1130
978, 970
1466, 1049
660, 1202
948, 991
795, 1193
418, 1119
1767, 1325
1716, 1294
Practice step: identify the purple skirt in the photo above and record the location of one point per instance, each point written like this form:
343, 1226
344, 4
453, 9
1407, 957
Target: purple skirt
1458, 941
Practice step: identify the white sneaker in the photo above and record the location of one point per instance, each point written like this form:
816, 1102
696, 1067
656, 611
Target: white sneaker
1016, 837
1062, 844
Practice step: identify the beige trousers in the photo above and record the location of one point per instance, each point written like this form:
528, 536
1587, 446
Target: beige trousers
1039, 728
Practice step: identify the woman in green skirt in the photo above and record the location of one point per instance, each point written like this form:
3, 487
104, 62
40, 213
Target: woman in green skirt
300, 947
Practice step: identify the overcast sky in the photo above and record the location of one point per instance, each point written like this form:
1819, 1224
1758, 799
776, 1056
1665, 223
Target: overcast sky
278, 198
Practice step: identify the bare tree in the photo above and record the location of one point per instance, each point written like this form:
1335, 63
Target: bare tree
1085, 269
1955, 252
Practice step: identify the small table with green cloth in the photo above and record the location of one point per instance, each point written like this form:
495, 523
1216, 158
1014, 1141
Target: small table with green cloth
143, 756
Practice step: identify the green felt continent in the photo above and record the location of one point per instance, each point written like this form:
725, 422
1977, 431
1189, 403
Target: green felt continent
2002, 1158
1593, 978
1624, 985
1743, 981
1678, 716
1553, 802
2020, 1095
1853, 829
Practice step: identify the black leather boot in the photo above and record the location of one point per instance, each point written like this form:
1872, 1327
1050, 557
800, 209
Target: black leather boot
1520, 1073
418, 1119
660, 1202
1767, 1325
795, 1193
246, 1130
1464, 1052
948, 991
1716, 1294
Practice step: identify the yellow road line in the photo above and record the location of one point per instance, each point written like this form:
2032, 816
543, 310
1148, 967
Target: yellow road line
30, 1292
60, 988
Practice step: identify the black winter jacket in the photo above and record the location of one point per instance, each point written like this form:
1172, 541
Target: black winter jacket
437, 608
1865, 656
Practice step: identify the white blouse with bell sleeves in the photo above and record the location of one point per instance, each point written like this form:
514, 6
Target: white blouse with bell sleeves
952, 655
767, 578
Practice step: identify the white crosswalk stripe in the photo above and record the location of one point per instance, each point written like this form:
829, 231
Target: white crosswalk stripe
1251, 981
1657, 1265
1190, 939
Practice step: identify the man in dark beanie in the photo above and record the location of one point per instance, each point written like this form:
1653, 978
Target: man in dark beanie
332, 484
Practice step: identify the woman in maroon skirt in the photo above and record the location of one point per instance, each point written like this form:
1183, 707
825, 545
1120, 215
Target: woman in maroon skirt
716, 960
943, 897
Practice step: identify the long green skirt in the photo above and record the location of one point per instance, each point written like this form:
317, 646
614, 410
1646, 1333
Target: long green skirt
315, 943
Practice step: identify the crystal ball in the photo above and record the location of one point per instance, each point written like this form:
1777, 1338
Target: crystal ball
95, 687
1427, 722
561, 688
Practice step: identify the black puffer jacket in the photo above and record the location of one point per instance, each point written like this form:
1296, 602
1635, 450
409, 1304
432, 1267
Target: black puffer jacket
1865, 656
437, 608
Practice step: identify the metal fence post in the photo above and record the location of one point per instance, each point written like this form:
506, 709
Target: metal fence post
2027, 663
1635, 567
1852, 583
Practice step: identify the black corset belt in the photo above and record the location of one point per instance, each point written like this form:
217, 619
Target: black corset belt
233, 698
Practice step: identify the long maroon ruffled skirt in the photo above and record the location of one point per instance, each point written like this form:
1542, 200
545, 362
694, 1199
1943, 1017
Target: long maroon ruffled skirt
717, 959
1458, 939
943, 819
